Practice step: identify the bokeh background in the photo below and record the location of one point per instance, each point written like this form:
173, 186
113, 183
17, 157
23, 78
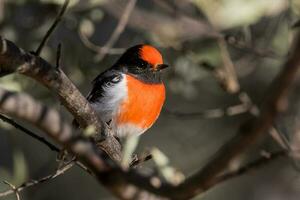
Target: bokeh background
257, 37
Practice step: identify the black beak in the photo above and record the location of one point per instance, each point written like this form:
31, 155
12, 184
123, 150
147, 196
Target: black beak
161, 66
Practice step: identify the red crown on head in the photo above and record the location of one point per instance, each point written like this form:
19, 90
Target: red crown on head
151, 55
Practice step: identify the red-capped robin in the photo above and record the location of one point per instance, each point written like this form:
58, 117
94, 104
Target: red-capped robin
130, 94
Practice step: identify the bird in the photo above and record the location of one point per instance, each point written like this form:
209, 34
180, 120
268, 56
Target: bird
130, 94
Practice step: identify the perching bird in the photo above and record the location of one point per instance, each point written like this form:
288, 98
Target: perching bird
130, 94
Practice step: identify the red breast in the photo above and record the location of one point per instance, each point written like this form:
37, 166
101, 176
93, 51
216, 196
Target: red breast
143, 103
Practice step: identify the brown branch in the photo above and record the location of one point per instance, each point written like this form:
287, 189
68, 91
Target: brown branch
273, 132
275, 103
106, 170
226, 73
243, 46
58, 56
52, 28
139, 159
118, 30
32, 183
51, 146
179, 29
50, 122
97, 48
13, 189
211, 113
246, 104
14, 59
252, 166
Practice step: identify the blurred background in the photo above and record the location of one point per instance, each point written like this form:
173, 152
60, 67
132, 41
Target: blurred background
256, 37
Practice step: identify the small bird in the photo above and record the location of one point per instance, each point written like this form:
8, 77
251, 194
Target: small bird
129, 95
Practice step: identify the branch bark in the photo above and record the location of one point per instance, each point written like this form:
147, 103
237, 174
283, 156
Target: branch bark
179, 28
49, 121
123, 182
14, 59
249, 133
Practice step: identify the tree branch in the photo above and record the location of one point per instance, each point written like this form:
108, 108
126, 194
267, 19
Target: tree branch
121, 182
275, 103
85, 40
118, 30
13, 189
180, 28
14, 59
52, 28
211, 113
49, 121
250, 167
51, 146
31, 183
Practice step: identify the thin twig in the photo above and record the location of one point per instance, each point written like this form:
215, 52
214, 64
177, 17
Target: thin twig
52, 147
50, 121
180, 28
139, 159
52, 28
13, 188
273, 132
115, 178
279, 138
245, 100
118, 30
211, 113
97, 49
233, 41
227, 75
58, 56
31, 183
249, 133
250, 167
12, 61
245, 106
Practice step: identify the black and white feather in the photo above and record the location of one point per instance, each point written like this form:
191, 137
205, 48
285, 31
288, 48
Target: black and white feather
109, 89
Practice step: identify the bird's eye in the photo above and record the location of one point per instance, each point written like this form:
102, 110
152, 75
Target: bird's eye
142, 66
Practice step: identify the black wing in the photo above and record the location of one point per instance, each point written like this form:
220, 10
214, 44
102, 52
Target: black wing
104, 80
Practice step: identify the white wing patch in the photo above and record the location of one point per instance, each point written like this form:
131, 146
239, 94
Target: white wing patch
113, 95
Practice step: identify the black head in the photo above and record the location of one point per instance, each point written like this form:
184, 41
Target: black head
143, 61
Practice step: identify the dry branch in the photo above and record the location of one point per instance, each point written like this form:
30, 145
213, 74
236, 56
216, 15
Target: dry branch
14, 59
32, 183
107, 172
51, 146
25, 108
118, 30
275, 103
123, 183
211, 113
252, 166
177, 29
52, 27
